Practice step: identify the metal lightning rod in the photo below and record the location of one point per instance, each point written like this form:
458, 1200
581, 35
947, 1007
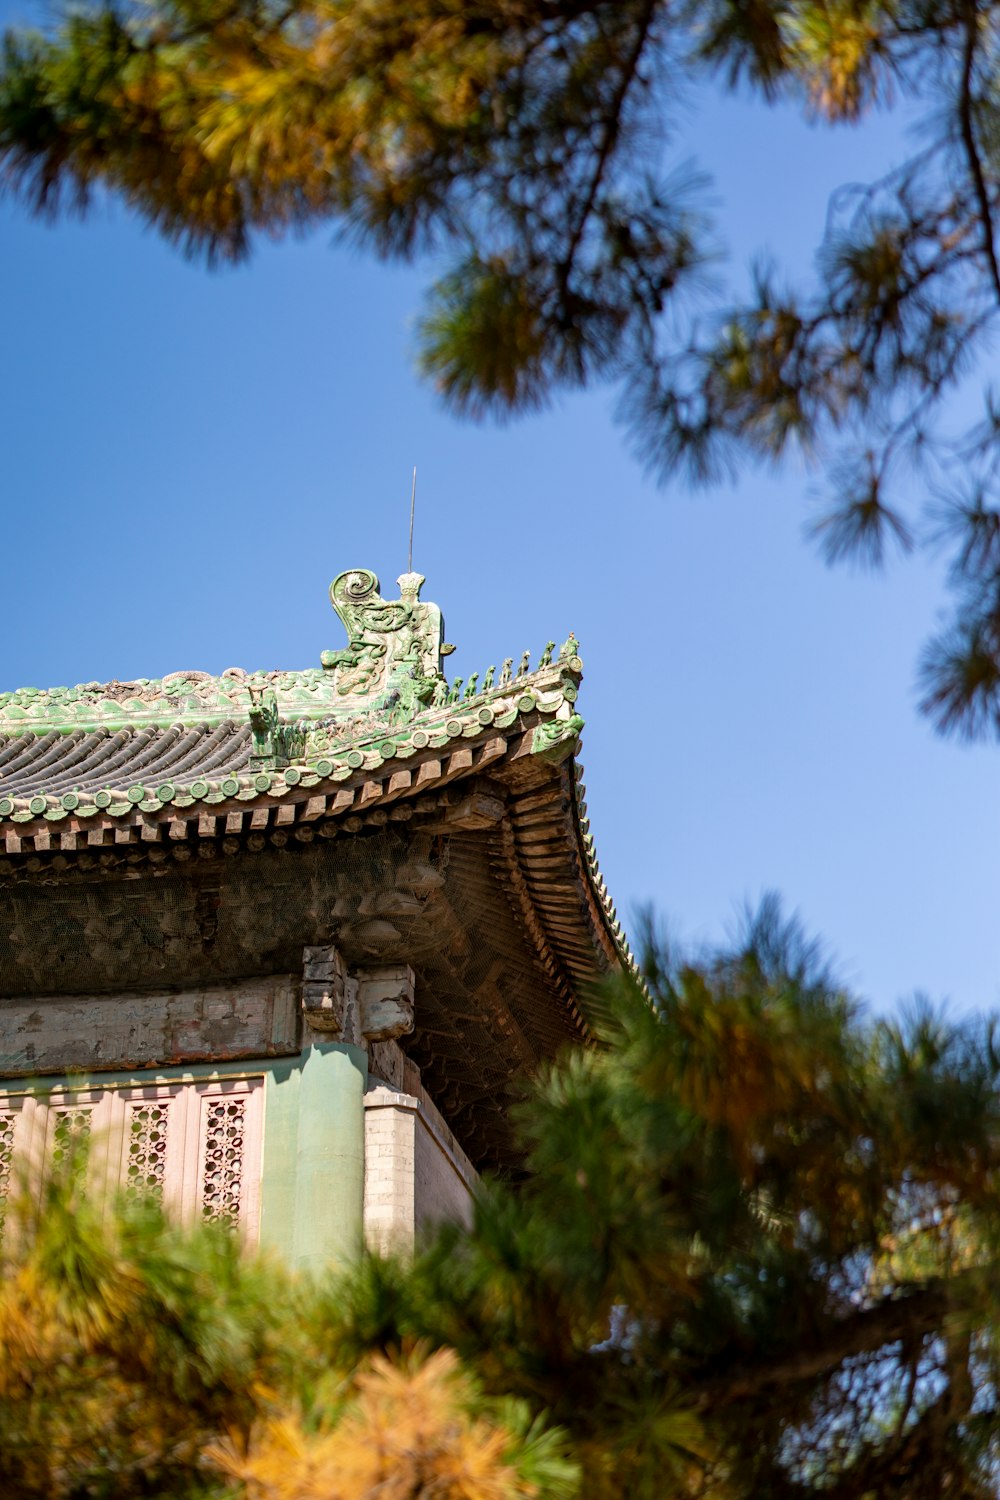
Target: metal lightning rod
413, 502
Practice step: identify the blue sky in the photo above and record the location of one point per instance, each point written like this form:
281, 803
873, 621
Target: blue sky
188, 459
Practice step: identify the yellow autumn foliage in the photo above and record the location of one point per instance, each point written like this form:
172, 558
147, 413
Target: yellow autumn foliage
141, 1358
836, 49
409, 1433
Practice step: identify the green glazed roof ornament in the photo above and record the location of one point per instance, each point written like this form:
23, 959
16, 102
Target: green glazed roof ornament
394, 647
384, 690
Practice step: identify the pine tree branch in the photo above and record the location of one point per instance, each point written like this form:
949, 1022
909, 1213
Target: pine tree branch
911, 1389
610, 140
907, 1318
971, 150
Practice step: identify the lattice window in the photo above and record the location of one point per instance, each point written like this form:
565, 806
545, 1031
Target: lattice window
8, 1120
223, 1153
70, 1127
145, 1165
196, 1147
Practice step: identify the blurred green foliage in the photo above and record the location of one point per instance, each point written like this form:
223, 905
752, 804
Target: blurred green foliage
753, 1253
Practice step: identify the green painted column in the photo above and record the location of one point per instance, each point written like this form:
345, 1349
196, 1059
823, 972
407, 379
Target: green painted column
278, 1173
314, 1157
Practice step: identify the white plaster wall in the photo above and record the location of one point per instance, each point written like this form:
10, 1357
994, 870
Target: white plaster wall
444, 1177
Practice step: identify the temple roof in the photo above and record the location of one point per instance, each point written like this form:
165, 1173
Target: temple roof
461, 843
108, 749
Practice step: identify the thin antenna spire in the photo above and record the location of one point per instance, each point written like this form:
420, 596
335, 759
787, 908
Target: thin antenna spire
413, 502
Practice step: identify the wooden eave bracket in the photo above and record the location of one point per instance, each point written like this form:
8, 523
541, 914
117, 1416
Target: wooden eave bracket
372, 1004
